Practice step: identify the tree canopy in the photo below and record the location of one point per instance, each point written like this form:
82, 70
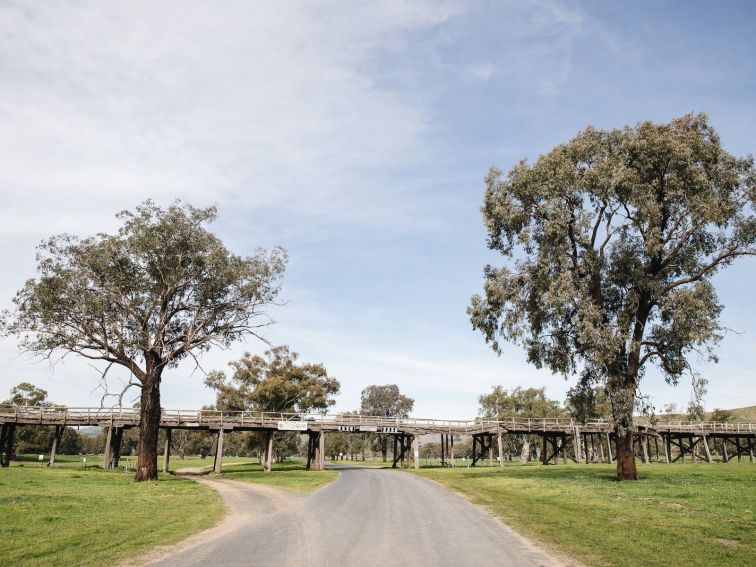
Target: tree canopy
274, 382
614, 238
384, 401
520, 402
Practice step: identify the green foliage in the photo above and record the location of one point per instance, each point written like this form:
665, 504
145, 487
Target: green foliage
161, 288
693, 515
520, 402
274, 382
384, 401
721, 415
615, 237
585, 402
26, 394
37, 439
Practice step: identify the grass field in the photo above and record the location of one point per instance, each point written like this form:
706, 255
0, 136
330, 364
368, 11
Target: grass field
690, 514
69, 515
290, 475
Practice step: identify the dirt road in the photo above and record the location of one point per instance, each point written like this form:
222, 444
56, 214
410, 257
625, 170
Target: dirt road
366, 517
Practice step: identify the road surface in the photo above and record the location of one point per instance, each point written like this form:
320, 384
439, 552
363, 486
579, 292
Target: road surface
365, 517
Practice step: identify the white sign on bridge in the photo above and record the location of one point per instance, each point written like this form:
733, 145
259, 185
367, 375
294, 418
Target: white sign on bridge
368, 428
292, 426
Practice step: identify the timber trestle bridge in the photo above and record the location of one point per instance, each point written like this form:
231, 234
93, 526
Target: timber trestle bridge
563, 438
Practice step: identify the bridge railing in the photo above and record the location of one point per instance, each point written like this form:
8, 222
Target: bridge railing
205, 418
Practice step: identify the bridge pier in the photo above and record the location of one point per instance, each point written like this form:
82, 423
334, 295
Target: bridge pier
482, 444
167, 451
57, 436
113, 447
405, 447
7, 443
218, 457
315, 450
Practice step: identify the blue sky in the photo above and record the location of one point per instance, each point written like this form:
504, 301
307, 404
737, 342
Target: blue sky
357, 136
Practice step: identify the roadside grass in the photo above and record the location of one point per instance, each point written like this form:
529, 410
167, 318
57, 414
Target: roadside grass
67, 516
177, 463
688, 514
290, 475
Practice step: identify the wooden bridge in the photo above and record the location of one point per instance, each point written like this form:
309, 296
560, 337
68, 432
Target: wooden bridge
560, 437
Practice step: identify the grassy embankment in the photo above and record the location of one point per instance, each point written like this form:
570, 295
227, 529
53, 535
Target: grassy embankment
69, 515
692, 514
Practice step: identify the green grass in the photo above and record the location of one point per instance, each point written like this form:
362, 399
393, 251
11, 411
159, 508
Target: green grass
290, 475
690, 514
177, 463
71, 516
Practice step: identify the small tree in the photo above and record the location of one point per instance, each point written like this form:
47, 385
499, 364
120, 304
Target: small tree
162, 289
520, 402
276, 383
385, 401
617, 235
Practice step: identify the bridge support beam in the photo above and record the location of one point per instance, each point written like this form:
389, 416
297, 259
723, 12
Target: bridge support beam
404, 449
57, 436
416, 451
482, 444
167, 451
7, 443
218, 459
501, 450
315, 450
113, 447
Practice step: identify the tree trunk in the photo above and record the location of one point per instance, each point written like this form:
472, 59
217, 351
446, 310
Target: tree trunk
149, 428
622, 403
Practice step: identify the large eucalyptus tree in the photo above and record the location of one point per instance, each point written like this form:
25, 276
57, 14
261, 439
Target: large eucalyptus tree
612, 240
162, 289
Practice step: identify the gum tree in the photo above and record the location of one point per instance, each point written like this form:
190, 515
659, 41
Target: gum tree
162, 289
384, 401
275, 382
613, 240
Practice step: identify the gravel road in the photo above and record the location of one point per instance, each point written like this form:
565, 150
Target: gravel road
365, 517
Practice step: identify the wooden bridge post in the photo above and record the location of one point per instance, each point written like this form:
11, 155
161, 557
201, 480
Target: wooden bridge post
564, 449
395, 456
57, 435
107, 459
576, 448
544, 454
706, 448
115, 451
609, 447
416, 451
167, 452
667, 449
7, 441
644, 447
218, 459
453, 463
268, 450
321, 451
724, 450
501, 451
443, 460
490, 449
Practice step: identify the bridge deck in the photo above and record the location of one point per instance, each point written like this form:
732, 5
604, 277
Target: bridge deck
250, 421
